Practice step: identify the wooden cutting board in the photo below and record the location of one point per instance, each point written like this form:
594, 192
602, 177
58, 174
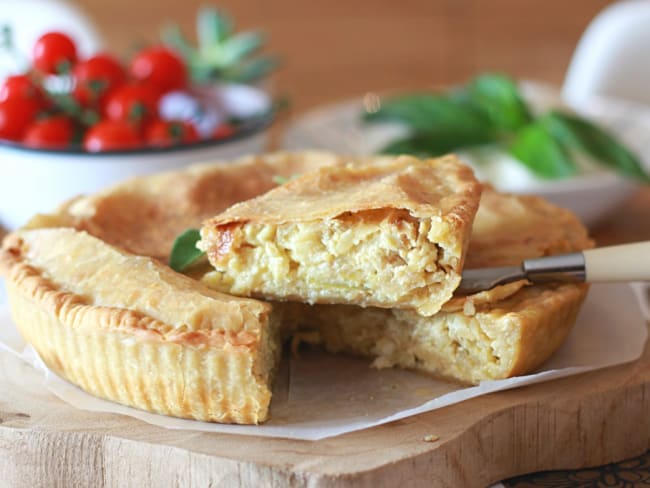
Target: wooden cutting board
585, 420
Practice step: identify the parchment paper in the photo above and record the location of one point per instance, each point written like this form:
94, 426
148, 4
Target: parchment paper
319, 395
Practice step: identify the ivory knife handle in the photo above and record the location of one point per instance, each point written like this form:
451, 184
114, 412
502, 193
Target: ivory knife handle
626, 262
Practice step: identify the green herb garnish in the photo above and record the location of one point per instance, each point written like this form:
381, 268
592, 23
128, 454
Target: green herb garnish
489, 110
221, 54
281, 180
184, 251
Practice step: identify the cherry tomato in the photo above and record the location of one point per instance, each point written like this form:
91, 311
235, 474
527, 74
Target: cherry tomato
165, 133
15, 115
223, 131
111, 135
50, 133
54, 52
135, 103
96, 77
20, 86
161, 67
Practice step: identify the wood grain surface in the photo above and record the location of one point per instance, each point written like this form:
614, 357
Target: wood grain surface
334, 49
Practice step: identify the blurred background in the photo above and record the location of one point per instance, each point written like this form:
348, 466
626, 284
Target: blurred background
333, 49
337, 56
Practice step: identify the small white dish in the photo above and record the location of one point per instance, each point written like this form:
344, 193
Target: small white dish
592, 196
36, 181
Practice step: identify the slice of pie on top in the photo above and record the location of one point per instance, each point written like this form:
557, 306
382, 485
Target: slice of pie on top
389, 234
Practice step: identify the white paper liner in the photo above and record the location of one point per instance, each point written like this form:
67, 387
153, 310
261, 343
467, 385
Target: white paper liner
320, 395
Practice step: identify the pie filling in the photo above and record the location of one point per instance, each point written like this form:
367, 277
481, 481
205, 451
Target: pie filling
384, 258
491, 344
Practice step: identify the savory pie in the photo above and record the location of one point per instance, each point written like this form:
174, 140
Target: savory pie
94, 297
390, 234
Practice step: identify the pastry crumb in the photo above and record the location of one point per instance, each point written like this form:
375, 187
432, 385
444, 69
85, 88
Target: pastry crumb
430, 438
468, 308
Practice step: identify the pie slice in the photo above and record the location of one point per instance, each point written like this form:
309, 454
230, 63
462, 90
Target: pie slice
391, 234
507, 331
128, 329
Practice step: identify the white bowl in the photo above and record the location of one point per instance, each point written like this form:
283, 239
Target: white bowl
36, 181
592, 196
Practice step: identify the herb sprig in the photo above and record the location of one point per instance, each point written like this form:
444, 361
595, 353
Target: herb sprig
184, 251
221, 53
490, 110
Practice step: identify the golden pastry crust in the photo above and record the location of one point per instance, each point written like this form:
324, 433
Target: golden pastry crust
129, 329
511, 228
390, 234
145, 214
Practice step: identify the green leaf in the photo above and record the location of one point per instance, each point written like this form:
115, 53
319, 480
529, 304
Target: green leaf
184, 251
221, 54
425, 145
173, 37
212, 27
428, 112
439, 124
541, 153
498, 97
579, 134
6, 38
252, 70
239, 46
281, 180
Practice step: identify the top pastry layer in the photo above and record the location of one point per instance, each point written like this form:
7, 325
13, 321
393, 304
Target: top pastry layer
389, 234
443, 188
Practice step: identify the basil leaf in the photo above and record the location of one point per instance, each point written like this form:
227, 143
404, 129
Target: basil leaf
431, 145
414, 146
498, 97
433, 114
577, 133
184, 252
541, 153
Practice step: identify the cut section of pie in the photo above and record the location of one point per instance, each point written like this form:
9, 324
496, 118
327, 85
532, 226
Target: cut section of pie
128, 329
506, 331
391, 234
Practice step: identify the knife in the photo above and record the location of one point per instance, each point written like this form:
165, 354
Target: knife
626, 262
